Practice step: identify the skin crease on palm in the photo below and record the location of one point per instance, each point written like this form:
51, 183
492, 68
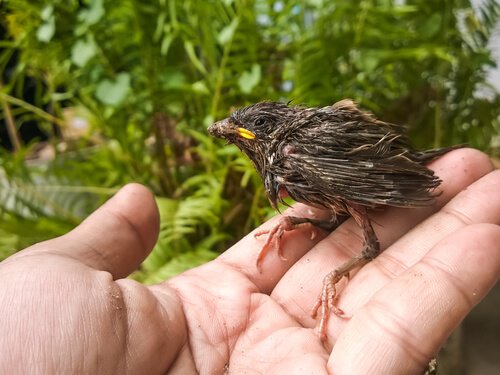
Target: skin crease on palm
66, 307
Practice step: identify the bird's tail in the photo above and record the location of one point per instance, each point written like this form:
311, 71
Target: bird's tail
434, 153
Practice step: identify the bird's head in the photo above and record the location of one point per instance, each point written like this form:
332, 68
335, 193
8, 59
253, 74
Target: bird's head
252, 128
257, 130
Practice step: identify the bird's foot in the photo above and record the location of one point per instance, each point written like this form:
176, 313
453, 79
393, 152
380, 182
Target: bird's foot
288, 223
329, 296
274, 235
327, 301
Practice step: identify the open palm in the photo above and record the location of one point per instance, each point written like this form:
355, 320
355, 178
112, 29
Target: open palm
68, 308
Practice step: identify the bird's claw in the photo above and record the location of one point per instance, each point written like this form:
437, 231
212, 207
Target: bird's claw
274, 235
327, 301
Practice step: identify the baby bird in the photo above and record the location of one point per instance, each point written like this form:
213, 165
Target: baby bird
338, 158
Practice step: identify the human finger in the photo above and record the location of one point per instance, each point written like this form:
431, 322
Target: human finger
403, 325
116, 238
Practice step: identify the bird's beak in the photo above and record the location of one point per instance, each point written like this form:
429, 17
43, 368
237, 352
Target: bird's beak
245, 133
219, 129
225, 128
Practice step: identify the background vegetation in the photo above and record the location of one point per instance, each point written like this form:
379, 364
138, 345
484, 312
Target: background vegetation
124, 91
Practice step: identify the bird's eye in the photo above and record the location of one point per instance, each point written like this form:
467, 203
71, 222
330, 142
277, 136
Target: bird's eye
260, 121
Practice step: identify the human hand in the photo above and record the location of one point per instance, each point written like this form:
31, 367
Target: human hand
67, 309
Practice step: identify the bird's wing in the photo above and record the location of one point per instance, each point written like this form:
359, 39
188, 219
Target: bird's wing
393, 180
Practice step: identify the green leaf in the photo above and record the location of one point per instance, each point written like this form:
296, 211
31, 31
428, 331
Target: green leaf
190, 50
249, 79
47, 13
208, 120
166, 43
431, 27
200, 87
83, 51
227, 33
113, 92
47, 30
93, 14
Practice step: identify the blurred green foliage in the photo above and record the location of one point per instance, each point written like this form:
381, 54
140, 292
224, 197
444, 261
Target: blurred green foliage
149, 77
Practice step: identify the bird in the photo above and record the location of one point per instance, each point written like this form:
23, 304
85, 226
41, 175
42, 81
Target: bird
339, 158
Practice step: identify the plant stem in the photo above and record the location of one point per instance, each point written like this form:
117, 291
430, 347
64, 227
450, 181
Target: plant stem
220, 79
10, 123
437, 124
31, 108
160, 122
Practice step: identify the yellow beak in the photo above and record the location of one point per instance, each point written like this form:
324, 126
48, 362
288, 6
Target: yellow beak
247, 134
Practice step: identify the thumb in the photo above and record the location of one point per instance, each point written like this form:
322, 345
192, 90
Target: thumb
117, 237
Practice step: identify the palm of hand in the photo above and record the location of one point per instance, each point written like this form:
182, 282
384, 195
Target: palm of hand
260, 322
79, 315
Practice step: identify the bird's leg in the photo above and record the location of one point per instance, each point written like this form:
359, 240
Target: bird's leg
328, 297
288, 223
